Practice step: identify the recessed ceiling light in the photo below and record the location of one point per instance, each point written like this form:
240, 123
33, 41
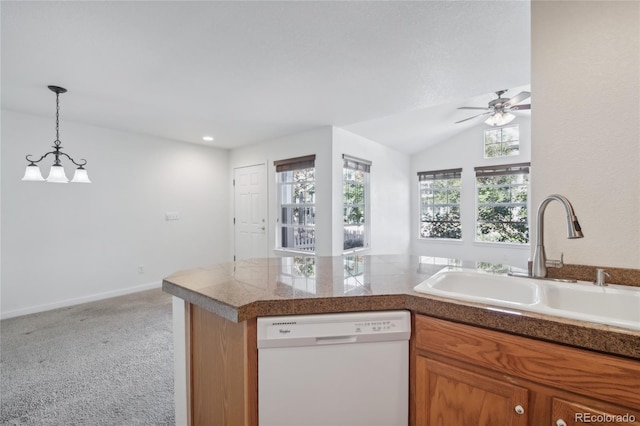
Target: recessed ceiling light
207, 138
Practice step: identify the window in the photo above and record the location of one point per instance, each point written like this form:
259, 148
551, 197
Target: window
356, 277
355, 202
440, 204
502, 200
296, 179
502, 142
299, 273
426, 263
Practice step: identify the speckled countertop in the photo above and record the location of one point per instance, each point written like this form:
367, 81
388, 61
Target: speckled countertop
252, 288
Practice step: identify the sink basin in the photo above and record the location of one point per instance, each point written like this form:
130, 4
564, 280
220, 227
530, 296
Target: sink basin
613, 305
475, 286
608, 302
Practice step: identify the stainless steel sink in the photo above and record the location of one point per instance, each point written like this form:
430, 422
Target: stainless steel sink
613, 305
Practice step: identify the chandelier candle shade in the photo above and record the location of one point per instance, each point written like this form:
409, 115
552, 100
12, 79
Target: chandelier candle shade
56, 174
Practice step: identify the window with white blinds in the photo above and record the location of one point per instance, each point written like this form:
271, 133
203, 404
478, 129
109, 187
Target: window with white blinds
296, 181
440, 204
502, 198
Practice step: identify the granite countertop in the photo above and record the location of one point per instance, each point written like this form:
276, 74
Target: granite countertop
247, 289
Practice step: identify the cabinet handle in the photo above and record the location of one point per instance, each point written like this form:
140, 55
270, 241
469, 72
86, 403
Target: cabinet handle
560, 422
519, 409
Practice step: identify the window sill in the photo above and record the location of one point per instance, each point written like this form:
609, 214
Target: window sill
286, 252
356, 251
440, 241
525, 246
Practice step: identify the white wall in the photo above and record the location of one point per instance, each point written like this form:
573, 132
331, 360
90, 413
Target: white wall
389, 186
316, 141
586, 126
68, 243
466, 151
389, 191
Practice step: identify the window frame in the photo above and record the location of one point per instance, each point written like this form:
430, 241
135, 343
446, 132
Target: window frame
292, 165
502, 143
504, 170
433, 176
357, 164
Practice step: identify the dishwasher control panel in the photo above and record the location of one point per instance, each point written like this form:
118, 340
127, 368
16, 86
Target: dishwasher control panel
376, 326
333, 328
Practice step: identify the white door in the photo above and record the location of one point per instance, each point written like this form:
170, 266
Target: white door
250, 194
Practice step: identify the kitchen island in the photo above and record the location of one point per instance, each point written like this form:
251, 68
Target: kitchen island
222, 302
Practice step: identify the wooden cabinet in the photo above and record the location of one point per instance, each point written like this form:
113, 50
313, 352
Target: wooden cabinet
453, 396
460, 376
222, 370
567, 413
465, 375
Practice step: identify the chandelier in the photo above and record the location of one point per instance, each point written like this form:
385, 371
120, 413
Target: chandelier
56, 174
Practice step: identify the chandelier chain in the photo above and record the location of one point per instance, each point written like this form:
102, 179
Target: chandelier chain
57, 141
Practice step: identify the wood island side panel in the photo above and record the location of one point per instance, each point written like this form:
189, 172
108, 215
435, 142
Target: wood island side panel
222, 370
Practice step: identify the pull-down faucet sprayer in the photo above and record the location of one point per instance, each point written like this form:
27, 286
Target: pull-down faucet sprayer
539, 267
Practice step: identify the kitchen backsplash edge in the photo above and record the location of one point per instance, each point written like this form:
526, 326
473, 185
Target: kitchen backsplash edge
623, 276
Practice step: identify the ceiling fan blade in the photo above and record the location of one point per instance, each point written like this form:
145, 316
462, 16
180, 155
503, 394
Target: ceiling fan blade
520, 107
466, 119
484, 108
518, 98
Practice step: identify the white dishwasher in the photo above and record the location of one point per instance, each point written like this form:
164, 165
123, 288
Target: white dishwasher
334, 369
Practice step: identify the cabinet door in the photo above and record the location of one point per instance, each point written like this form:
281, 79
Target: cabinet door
448, 395
566, 413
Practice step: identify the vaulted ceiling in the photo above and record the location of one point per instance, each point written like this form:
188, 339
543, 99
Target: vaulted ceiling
245, 72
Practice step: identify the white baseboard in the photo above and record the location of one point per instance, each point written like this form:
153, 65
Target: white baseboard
78, 300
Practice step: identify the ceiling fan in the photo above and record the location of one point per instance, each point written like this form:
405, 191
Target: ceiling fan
499, 109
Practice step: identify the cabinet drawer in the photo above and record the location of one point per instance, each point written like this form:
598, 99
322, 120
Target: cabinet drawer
575, 414
605, 377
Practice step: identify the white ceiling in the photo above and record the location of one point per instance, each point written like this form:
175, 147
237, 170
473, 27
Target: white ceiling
246, 72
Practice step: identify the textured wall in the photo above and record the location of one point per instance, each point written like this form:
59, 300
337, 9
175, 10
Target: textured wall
586, 126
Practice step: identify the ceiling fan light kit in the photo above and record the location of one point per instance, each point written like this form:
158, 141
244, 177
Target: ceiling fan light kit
56, 174
500, 119
499, 109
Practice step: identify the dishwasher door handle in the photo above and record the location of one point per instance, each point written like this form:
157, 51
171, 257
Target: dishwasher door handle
332, 340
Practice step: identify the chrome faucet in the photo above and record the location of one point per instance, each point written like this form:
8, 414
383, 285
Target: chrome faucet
540, 262
601, 278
